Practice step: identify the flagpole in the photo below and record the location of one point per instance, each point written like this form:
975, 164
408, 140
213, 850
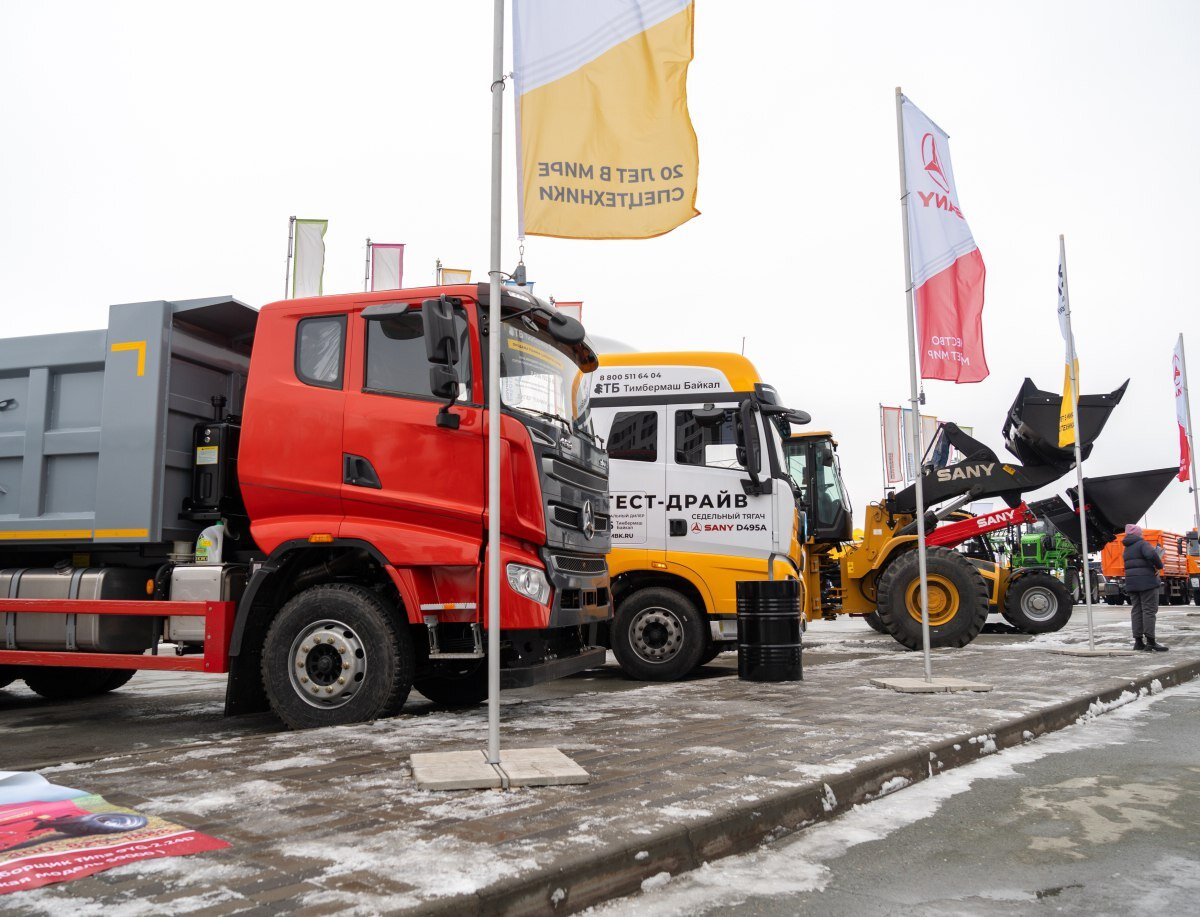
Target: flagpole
1072, 362
1187, 409
495, 317
287, 270
913, 391
367, 266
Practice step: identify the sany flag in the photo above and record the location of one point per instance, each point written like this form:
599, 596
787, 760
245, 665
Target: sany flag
1181, 411
947, 268
308, 268
387, 266
1066, 413
605, 145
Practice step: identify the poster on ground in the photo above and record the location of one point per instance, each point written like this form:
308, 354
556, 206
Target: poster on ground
51, 833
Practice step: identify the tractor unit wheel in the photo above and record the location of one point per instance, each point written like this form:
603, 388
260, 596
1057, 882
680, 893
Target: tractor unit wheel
336, 654
1112, 600
72, 683
658, 635
1037, 603
101, 823
714, 650
458, 688
873, 620
958, 599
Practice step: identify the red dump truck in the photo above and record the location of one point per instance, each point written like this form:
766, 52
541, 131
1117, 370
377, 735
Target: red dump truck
336, 446
1174, 586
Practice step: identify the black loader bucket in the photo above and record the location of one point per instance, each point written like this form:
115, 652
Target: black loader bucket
1031, 428
1113, 502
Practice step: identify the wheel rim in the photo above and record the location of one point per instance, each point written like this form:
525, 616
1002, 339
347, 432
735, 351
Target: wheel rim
1038, 603
656, 634
943, 599
327, 664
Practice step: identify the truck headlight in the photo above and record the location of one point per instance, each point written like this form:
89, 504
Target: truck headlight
529, 582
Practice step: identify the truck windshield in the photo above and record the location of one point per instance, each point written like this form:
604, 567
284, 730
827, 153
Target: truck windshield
540, 375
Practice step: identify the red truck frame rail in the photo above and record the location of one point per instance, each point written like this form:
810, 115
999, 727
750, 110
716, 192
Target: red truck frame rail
218, 621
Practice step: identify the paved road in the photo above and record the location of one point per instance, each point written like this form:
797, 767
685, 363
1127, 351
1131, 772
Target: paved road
1103, 818
163, 710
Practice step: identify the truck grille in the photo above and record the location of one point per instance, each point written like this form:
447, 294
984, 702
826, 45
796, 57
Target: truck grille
580, 566
569, 517
578, 477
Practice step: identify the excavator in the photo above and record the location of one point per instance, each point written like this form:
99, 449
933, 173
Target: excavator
877, 577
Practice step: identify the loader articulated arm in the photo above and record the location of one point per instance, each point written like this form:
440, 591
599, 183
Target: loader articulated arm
1030, 434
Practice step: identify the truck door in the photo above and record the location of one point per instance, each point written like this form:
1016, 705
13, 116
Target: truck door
400, 468
636, 439
708, 513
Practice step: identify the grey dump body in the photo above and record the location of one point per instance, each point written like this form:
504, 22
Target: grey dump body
96, 426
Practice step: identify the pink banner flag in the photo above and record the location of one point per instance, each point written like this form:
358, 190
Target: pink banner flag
947, 269
387, 266
1181, 410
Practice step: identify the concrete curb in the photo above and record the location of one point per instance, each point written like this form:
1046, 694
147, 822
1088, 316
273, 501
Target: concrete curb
575, 883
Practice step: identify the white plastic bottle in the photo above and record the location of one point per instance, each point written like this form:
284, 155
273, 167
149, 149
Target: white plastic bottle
210, 544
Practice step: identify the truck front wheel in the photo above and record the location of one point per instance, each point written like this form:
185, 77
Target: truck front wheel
658, 635
336, 654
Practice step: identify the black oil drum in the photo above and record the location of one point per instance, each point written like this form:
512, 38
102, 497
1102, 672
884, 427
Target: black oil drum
769, 635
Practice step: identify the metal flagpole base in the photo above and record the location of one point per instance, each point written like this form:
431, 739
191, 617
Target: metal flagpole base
469, 770
937, 685
1098, 651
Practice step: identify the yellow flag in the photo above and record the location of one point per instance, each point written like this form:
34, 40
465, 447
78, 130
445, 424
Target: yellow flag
606, 148
1066, 418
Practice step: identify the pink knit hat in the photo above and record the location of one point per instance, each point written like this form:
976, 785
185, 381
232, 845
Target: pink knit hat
1133, 530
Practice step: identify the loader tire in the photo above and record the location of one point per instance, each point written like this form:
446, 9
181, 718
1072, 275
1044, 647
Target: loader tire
958, 599
72, 683
334, 655
456, 689
1037, 603
873, 620
658, 635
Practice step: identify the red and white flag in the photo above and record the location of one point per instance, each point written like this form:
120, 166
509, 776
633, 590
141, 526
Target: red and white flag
947, 268
1181, 410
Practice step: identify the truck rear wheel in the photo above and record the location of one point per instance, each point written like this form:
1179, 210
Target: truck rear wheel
1037, 603
336, 654
464, 687
958, 599
658, 635
72, 683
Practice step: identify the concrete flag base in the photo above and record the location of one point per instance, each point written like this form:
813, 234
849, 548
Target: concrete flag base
469, 770
934, 686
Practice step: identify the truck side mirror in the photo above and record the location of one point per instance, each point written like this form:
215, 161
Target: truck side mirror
749, 447
443, 382
441, 337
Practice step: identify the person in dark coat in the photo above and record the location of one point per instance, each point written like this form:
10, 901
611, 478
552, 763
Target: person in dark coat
1142, 564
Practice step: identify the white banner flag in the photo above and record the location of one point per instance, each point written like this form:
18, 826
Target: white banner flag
387, 266
308, 266
889, 419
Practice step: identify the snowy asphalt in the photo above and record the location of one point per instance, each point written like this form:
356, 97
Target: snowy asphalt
329, 821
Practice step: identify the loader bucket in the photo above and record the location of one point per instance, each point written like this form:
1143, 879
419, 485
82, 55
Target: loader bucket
1031, 428
1113, 502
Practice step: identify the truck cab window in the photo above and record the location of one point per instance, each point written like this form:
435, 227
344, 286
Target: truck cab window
634, 436
396, 360
320, 345
711, 444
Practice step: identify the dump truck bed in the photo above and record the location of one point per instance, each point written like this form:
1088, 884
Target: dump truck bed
96, 426
1112, 560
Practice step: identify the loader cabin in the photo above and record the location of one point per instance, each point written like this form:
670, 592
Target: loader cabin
816, 471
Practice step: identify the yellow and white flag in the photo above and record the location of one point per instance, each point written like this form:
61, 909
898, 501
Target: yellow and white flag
605, 145
1066, 415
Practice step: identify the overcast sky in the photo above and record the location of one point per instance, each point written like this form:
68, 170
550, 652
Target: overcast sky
156, 150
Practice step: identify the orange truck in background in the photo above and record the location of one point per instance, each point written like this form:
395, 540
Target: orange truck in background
1193, 564
1175, 586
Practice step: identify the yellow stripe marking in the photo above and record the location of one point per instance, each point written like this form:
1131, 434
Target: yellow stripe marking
140, 347
122, 533
47, 534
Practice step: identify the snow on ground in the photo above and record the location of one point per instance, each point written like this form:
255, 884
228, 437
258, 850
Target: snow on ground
802, 864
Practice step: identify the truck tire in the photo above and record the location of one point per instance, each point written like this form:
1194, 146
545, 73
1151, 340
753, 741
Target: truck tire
1112, 600
8, 674
101, 823
466, 687
873, 620
1037, 603
336, 654
71, 683
658, 635
1074, 585
714, 650
958, 599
